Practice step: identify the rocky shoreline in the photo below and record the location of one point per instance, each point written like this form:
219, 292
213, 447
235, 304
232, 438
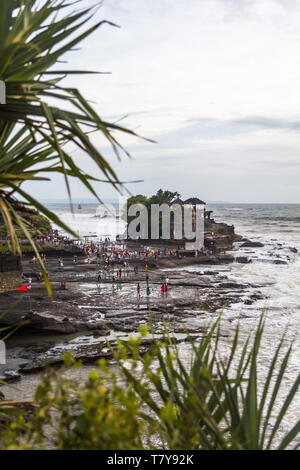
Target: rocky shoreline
85, 316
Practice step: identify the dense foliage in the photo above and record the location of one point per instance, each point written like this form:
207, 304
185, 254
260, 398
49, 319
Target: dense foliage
39, 224
154, 400
161, 197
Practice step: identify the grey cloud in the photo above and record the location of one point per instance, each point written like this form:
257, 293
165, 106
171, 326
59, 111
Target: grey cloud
264, 122
267, 123
208, 129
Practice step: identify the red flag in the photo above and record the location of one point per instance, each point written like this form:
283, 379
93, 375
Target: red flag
22, 288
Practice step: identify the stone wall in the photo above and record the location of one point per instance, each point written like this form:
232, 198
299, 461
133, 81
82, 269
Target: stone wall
9, 263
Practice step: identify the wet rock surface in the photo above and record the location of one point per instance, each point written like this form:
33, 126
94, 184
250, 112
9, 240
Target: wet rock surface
86, 315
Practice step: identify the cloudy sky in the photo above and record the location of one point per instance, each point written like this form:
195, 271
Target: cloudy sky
215, 82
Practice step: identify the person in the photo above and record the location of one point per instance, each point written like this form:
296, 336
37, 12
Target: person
99, 278
29, 285
148, 291
63, 285
136, 269
120, 274
75, 258
163, 289
167, 280
166, 288
146, 267
138, 290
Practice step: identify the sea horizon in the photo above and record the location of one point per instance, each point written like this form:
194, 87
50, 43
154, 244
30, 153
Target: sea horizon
115, 201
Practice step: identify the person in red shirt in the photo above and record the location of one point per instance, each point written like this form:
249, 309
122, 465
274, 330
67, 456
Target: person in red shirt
164, 288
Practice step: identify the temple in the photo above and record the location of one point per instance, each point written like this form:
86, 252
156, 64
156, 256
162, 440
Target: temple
218, 237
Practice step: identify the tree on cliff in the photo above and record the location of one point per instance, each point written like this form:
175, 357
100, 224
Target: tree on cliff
161, 197
34, 134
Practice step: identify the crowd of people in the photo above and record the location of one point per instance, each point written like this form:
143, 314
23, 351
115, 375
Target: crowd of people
110, 268
115, 275
115, 249
107, 253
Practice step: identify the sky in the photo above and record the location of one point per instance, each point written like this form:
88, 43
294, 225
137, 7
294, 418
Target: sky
216, 83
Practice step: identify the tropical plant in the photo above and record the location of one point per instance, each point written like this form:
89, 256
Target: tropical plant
214, 403
156, 401
37, 137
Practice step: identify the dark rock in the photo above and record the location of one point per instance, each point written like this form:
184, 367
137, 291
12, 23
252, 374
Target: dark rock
207, 273
101, 332
231, 285
243, 259
257, 296
250, 244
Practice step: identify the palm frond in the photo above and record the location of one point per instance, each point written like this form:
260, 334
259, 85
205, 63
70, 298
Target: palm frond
34, 134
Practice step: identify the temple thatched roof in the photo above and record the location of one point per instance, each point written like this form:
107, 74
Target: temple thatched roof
177, 201
194, 201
